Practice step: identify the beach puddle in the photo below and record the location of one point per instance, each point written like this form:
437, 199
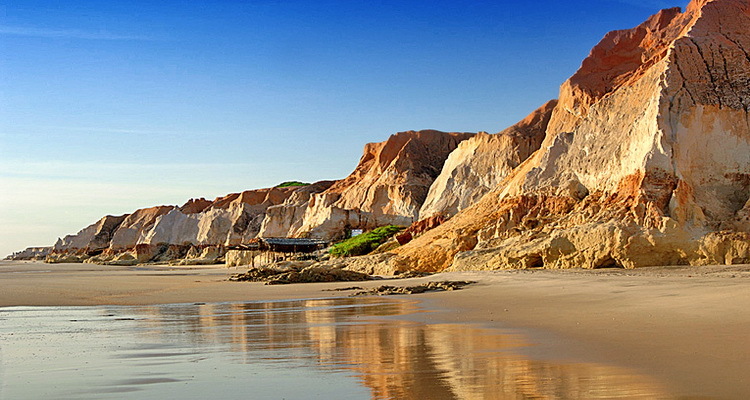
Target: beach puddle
348, 348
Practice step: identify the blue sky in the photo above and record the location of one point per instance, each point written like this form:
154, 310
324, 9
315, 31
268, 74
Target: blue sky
106, 106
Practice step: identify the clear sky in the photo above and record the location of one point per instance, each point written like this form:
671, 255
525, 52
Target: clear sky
110, 106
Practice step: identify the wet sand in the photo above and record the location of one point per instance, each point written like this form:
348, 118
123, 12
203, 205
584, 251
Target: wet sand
687, 327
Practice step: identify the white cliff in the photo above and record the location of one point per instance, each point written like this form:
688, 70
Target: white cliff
480, 163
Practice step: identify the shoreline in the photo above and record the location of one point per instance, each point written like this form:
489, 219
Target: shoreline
687, 326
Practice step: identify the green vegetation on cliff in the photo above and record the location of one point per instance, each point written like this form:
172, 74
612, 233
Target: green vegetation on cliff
364, 243
291, 183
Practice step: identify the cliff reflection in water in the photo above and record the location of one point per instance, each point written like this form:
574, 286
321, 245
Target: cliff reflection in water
393, 357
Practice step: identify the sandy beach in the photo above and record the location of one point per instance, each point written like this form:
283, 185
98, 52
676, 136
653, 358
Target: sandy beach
689, 327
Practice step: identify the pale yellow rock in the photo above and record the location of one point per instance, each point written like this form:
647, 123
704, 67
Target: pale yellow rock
206, 256
236, 258
373, 264
241, 258
65, 258
125, 258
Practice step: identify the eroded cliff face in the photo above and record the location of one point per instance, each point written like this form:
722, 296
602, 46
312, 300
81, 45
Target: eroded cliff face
132, 228
30, 253
228, 220
199, 230
96, 236
388, 186
480, 163
645, 160
286, 219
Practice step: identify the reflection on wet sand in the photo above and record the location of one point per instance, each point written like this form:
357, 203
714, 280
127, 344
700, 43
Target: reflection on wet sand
394, 358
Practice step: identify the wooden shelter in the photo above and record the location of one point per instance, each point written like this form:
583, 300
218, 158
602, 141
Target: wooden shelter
293, 245
283, 245
268, 250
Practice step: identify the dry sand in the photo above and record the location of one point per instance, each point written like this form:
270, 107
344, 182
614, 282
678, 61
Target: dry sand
687, 326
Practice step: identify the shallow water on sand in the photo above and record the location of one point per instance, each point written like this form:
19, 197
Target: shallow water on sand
346, 348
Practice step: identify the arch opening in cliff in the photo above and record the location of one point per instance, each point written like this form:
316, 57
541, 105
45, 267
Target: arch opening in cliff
264, 251
534, 261
608, 262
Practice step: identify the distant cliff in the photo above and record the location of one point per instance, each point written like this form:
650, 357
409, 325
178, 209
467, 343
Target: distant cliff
388, 186
30, 253
165, 233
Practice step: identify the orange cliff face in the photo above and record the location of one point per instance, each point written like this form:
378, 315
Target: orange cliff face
398, 161
644, 161
388, 186
620, 59
194, 206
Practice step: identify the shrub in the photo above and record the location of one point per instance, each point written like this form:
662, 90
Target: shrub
364, 243
291, 183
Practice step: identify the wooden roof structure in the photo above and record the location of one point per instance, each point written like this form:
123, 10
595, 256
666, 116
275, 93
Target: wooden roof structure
283, 245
